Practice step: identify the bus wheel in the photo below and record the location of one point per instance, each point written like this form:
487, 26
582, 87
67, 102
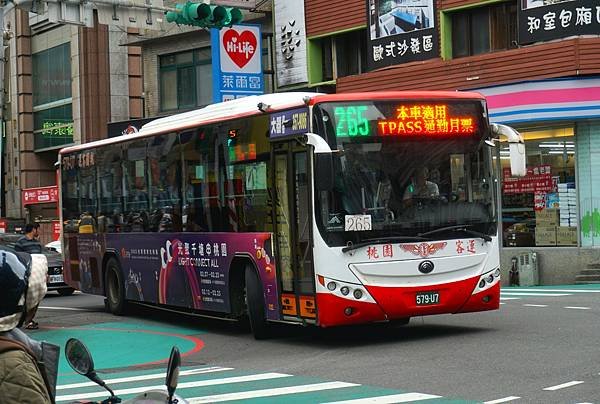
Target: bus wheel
115, 288
256, 305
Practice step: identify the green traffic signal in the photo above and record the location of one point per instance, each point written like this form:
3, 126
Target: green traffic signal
205, 15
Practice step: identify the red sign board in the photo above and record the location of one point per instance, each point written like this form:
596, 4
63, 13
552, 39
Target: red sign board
55, 230
31, 196
537, 180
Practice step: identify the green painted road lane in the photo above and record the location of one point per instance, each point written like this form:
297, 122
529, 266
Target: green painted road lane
216, 384
120, 345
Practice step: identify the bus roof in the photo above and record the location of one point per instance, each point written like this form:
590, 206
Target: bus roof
249, 106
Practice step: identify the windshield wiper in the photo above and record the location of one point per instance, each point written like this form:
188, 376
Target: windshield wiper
381, 240
464, 228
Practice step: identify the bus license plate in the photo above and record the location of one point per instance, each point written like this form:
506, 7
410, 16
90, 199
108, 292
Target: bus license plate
55, 279
427, 298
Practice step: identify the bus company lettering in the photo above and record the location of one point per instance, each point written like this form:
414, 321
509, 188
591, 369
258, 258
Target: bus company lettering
240, 47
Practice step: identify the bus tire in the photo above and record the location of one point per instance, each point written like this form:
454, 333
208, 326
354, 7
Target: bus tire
256, 305
115, 288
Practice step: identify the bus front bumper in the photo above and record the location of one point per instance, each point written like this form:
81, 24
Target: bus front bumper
397, 303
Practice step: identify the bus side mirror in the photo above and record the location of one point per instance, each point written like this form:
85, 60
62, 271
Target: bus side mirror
518, 167
323, 172
516, 146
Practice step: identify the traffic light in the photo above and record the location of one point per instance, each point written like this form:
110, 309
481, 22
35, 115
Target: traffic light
205, 15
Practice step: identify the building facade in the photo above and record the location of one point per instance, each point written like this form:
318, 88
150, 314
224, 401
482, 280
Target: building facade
63, 84
538, 63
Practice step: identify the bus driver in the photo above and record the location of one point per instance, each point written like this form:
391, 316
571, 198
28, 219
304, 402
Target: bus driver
420, 187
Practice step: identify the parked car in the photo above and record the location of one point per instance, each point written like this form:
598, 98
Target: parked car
55, 264
55, 245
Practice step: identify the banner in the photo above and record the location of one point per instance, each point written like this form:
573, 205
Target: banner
538, 180
290, 42
400, 31
236, 62
31, 196
545, 20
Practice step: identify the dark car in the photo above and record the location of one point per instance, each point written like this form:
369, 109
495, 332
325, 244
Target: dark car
55, 264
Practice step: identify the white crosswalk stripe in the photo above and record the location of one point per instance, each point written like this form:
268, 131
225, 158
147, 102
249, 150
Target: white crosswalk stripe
391, 399
200, 383
245, 395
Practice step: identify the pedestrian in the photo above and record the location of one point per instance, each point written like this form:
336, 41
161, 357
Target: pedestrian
28, 368
30, 243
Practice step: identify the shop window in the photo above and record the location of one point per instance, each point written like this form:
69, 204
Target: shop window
540, 209
52, 109
484, 29
343, 55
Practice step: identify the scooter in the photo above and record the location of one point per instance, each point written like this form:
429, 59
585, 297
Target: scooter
81, 361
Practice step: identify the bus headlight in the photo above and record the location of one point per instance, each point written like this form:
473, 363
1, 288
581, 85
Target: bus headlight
357, 294
482, 283
490, 279
345, 290
331, 286
497, 272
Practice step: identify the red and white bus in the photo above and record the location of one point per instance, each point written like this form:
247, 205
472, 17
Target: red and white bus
299, 208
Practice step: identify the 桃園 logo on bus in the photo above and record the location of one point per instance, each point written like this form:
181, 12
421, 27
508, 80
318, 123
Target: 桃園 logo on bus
424, 249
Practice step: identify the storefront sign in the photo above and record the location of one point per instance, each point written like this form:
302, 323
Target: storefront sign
545, 20
57, 129
290, 42
538, 180
236, 62
544, 100
55, 230
33, 196
400, 33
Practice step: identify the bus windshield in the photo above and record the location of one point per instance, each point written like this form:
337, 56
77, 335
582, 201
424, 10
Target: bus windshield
403, 168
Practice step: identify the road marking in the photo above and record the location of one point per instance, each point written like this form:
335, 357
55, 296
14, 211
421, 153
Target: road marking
64, 308
562, 386
201, 383
395, 398
502, 400
551, 290
110, 382
533, 294
577, 308
536, 305
244, 395
509, 298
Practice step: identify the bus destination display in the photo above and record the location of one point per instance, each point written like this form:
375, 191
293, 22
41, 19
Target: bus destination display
426, 119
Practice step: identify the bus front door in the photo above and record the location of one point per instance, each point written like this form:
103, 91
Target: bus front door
291, 211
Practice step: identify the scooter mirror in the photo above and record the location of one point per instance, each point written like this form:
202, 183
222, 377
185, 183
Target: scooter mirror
79, 357
173, 372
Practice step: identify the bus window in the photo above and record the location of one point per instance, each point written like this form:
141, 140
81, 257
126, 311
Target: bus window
165, 183
88, 194
136, 217
202, 210
70, 191
110, 175
246, 156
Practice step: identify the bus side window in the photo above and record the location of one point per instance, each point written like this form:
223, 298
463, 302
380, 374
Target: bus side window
165, 183
136, 213
200, 198
110, 175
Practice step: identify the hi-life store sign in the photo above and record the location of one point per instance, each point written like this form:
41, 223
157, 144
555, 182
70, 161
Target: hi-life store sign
545, 20
237, 62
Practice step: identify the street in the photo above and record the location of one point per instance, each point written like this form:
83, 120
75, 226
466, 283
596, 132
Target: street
542, 346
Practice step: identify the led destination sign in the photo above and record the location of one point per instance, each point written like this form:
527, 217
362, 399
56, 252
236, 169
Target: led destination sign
427, 119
